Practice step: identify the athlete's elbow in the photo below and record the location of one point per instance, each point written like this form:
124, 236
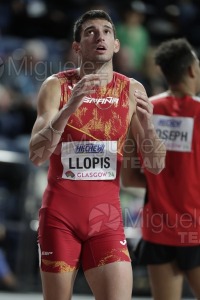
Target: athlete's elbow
36, 160
156, 163
125, 182
155, 171
157, 168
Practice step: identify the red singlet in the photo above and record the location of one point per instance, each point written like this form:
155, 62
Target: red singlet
80, 218
171, 215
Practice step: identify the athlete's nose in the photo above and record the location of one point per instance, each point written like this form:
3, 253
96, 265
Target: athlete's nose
100, 36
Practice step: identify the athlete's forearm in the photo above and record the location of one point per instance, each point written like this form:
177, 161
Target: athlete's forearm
153, 151
131, 173
44, 141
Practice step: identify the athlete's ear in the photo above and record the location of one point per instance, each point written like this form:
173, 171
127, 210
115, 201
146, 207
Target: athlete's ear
76, 47
116, 46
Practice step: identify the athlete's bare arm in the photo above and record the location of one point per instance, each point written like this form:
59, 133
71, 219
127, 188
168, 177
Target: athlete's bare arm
51, 121
131, 172
151, 148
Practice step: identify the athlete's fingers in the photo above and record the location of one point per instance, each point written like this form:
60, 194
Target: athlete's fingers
143, 101
146, 106
95, 80
89, 83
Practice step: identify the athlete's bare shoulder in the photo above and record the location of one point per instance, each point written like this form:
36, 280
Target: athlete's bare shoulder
134, 85
51, 81
50, 85
50, 93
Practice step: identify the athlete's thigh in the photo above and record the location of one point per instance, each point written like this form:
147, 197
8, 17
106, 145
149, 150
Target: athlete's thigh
58, 286
193, 277
106, 262
59, 255
106, 241
166, 281
111, 281
59, 249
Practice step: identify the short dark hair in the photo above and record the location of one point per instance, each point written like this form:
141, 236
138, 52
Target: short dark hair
174, 57
91, 15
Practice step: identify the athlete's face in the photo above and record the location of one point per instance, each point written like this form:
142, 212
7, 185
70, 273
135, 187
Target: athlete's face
196, 67
97, 44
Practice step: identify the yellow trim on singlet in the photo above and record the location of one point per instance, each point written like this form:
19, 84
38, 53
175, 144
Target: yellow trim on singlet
88, 135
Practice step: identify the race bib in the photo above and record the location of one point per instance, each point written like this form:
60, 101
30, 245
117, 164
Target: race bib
89, 160
176, 132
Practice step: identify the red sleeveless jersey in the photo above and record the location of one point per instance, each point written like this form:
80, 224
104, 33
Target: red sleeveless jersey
103, 116
171, 215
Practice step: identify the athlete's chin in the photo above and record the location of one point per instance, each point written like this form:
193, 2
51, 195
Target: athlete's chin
102, 60
102, 57
97, 61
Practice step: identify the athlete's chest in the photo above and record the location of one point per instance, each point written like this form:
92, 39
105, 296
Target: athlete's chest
103, 114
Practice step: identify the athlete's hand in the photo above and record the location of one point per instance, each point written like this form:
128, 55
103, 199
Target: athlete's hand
86, 86
144, 109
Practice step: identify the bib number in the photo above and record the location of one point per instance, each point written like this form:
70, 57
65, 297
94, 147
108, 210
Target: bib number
89, 160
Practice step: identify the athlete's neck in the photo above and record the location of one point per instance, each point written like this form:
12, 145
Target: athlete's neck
181, 91
105, 68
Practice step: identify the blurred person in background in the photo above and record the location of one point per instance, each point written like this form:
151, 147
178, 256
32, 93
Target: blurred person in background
83, 117
25, 69
16, 116
134, 39
170, 244
7, 278
10, 122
